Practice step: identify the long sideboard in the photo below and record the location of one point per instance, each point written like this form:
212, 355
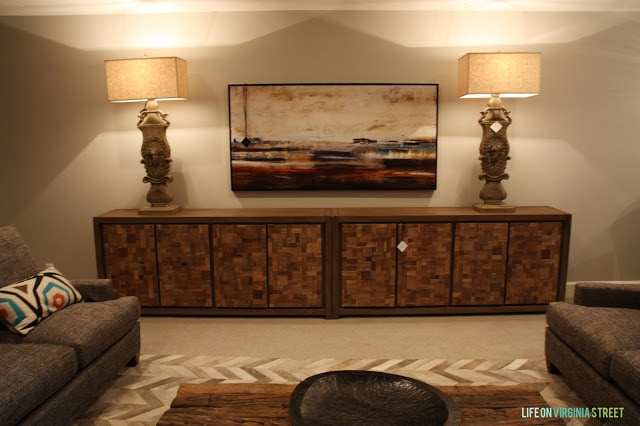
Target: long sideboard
336, 262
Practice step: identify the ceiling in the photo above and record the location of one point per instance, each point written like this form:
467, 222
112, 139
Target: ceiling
102, 7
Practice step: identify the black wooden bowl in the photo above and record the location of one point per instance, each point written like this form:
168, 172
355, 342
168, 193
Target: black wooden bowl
371, 398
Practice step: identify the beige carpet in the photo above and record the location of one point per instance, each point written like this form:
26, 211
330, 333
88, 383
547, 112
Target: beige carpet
451, 337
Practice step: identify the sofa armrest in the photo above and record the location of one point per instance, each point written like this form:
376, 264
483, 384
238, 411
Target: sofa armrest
94, 290
607, 295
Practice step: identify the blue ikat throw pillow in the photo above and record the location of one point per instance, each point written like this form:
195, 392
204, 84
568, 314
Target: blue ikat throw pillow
25, 304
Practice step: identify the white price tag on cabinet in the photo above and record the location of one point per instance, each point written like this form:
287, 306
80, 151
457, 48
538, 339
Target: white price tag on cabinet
402, 246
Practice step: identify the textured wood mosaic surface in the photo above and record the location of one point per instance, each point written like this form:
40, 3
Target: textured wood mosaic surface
424, 268
368, 260
479, 264
184, 264
534, 262
295, 253
240, 265
130, 261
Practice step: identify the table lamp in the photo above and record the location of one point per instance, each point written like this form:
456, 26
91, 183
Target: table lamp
496, 75
149, 80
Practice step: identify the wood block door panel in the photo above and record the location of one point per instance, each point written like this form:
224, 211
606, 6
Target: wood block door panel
295, 258
424, 268
534, 262
479, 265
240, 265
368, 264
184, 265
129, 252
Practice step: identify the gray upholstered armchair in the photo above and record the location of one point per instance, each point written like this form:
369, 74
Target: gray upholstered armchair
594, 343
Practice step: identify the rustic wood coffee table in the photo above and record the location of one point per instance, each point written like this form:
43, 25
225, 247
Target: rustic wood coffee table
227, 404
230, 404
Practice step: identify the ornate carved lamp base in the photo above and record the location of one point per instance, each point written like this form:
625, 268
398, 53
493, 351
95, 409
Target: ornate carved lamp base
168, 209
156, 157
494, 154
494, 208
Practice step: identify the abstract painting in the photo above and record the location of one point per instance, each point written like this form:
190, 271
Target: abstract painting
333, 136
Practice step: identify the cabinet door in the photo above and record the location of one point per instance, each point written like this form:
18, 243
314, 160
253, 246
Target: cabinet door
534, 262
184, 265
295, 253
480, 257
240, 265
130, 261
368, 264
424, 267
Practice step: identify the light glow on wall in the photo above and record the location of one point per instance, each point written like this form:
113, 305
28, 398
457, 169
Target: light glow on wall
404, 28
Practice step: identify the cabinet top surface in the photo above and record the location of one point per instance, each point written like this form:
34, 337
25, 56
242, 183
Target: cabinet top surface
445, 211
204, 213
460, 212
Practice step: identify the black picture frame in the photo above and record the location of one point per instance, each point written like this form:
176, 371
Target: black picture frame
333, 136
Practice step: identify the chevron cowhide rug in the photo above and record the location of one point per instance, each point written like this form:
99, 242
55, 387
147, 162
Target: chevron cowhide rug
140, 395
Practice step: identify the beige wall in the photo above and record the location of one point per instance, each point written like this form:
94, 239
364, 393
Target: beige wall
68, 155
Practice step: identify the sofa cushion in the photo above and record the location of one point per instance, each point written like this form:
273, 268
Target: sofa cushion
7, 336
595, 333
625, 370
16, 260
31, 374
24, 304
89, 328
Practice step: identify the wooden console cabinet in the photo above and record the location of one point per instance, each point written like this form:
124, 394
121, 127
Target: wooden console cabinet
449, 260
218, 262
336, 262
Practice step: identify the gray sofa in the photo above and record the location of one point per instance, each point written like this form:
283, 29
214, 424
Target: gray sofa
594, 343
51, 374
